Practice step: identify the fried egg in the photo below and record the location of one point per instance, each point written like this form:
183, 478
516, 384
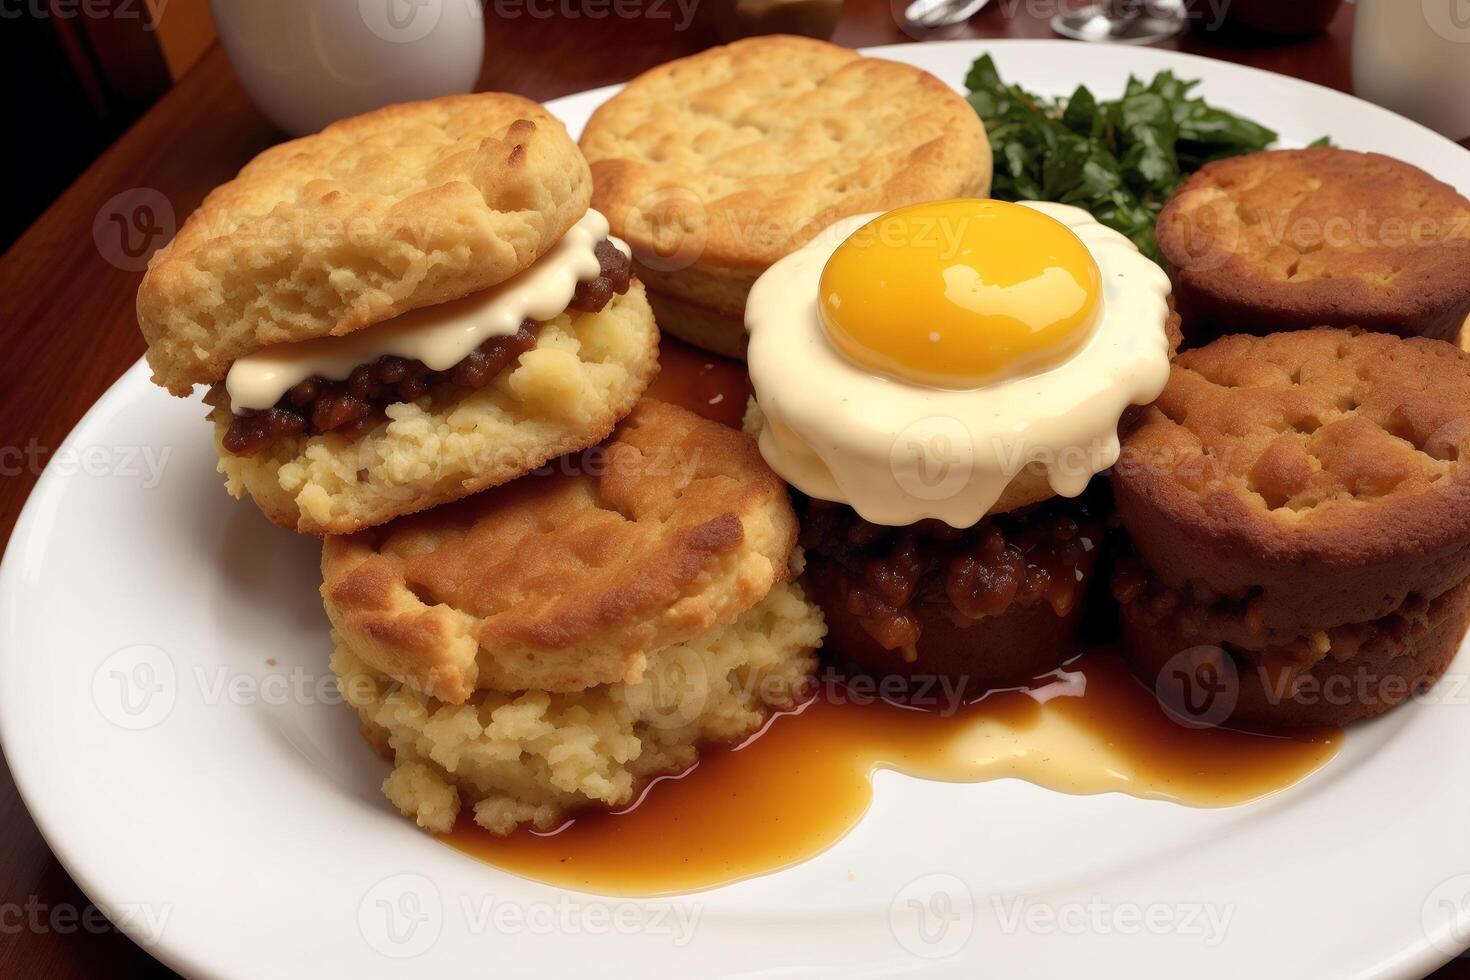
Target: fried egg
912, 364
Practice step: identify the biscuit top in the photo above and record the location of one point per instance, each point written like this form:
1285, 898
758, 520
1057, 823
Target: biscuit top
1313, 446
1321, 228
737, 155
568, 579
404, 207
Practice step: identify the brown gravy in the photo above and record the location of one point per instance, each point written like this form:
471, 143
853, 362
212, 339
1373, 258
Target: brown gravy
799, 785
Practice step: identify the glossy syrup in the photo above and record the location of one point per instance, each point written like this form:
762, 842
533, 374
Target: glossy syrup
800, 784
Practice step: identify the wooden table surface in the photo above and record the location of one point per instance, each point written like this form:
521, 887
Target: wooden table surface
67, 326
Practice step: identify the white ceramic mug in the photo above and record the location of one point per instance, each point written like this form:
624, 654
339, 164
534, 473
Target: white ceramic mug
306, 63
1413, 56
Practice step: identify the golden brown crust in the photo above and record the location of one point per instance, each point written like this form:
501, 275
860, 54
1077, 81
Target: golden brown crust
586, 372
1321, 472
1287, 239
699, 325
723, 162
567, 579
1334, 677
404, 207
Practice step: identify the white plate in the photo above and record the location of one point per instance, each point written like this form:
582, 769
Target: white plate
228, 816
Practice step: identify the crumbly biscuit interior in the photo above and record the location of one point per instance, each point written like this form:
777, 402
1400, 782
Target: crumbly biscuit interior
534, 757
582, 366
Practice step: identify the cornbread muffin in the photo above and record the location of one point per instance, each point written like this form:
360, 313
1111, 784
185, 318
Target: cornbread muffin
1321, 474
1300, 506
401, 208
1274, 682
714, 166
585, 373
1287, 239
598, 619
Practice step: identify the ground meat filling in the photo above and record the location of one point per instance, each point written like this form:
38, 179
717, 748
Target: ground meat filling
354, 406
884, 573
617, 271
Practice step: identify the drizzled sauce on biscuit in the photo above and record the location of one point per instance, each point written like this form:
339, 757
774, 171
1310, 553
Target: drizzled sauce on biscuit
795, 788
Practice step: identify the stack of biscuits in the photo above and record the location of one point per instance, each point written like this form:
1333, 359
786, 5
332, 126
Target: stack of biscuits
413, 211
714, 166
1297, 502
1299, 508
420, 342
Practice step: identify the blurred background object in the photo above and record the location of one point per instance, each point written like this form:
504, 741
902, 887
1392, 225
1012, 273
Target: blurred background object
735, 19
80, 74
1414, 58
1260, 20
932, 14
307, 63
82, 71
1122, 21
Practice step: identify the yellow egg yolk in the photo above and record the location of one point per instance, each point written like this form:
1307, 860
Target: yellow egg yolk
960, 293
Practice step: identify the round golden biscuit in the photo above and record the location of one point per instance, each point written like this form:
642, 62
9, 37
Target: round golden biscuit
401, 208
585, 373
1320, 477
568, 579
1287, 239
701, 326
714, 166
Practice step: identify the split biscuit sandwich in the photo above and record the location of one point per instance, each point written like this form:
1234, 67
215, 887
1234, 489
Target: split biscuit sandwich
553, 644
401, 310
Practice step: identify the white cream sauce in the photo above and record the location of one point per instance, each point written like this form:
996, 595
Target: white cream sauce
900, 452
441, 335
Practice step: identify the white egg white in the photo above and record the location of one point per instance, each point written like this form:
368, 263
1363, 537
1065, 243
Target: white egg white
900, 452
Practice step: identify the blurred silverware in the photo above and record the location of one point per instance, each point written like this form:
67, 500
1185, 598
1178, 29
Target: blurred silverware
1122, 21
930, 14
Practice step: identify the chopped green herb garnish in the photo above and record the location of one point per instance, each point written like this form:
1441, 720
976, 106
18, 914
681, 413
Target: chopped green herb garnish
1119, 159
